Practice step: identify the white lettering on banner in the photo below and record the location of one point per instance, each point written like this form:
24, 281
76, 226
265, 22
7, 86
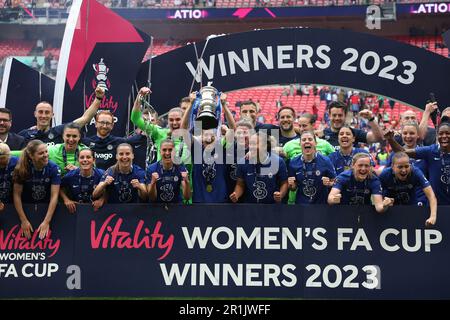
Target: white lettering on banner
268, 237
433, 8
243, 63
29, 270
409, 67
209, 70
92, 122
7, 270
304, 53
317, 235
332, 276
360, 240
421, 9
326, 59
282, 238
229, 241
271, 275
39, 270
267, 60
236, 277
250, 275
223, 69
301, 56
430, 237
255, 236
282, 56
22, 256
273, 238
187, 14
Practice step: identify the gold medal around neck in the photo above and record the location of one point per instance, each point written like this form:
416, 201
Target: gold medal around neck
209, 188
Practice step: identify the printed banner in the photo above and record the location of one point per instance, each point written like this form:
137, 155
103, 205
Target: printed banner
283, 56
35, 267
280, 56
229, 251
269, 13
22, 89
99, 49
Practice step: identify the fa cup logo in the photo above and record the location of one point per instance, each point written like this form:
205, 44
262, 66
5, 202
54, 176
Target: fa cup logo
100, 75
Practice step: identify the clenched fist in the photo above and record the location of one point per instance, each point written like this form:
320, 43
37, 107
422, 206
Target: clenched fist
234, 198
135, 183
109, 180
327, 182
335, 199
155, 177
291, 183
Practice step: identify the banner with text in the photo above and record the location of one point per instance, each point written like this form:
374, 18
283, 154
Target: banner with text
22, 89
318, 56
218, 251
99, 48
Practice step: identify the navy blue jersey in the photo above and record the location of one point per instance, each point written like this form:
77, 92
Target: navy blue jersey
209, 174
232, 154
421, 165
308, 176
15, 142
168, 186
418, 163
50, 137
37, 188
121, 190
6, 182
283, 140
262, 179
342, 162
333, 137
438, 164
105, 148
357, 192
79, 188
270, 130
265, 126
403, 192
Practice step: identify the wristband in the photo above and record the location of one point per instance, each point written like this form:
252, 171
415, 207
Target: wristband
98, 98
371, 119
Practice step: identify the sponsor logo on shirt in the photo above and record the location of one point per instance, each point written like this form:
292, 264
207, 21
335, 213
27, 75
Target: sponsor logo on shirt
104, 156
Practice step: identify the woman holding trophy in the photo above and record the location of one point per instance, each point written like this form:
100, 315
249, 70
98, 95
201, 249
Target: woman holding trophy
208, 155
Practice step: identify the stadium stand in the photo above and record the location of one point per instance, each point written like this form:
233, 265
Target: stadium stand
22, 47
55, 4
15, 48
